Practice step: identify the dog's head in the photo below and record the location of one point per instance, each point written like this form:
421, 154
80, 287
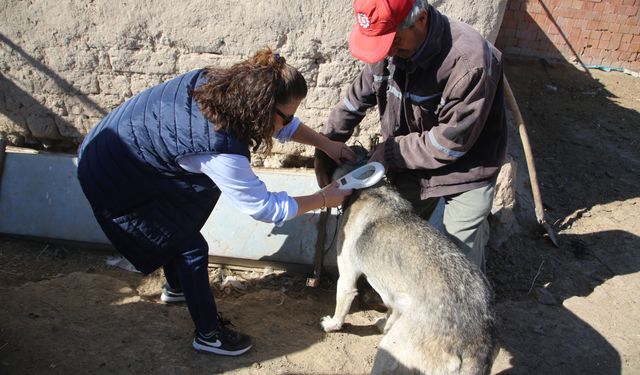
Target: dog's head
362, 156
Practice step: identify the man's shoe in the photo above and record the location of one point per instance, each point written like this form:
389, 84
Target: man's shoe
223, 342
171, 295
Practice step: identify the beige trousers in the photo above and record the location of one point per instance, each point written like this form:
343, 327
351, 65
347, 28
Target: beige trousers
464, 219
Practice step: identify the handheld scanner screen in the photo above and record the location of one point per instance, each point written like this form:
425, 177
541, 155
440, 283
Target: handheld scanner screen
363, 177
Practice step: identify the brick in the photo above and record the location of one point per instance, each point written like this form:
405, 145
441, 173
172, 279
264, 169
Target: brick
561, 23
574, 33
602, 44
625, 29
592, 25
581, 23
630, 10
522, 34
627, 38
576, 4
614, 28
531, 44
599, 8
539, 19
534, 8
551, 29
604, 54
606, 36
533, 29
578, 14
592, 16
609, 8
588, 5
616, 37
561, 13
634, 47
614, 44
633, 20
610, 18
615, 55
518, 16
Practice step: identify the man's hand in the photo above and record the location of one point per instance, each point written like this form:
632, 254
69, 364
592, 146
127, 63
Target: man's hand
378, 155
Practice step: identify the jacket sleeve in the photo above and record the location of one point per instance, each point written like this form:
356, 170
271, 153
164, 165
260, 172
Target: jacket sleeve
465, 105
348, 113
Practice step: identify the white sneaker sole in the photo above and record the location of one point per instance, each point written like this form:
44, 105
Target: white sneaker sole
168, 299
211, 349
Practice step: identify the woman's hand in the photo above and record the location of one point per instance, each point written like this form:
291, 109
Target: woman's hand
333, 195
329, 196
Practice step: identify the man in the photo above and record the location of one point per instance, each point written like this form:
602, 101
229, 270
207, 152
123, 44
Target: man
438, 87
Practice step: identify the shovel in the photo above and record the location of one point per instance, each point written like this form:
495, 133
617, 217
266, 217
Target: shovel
531, 167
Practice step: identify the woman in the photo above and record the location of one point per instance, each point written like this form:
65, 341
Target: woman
154, 168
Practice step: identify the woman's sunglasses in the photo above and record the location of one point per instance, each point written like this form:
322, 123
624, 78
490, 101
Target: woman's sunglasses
286, 120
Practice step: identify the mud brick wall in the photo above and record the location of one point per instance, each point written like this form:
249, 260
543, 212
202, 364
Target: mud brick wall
591, 32
64, 64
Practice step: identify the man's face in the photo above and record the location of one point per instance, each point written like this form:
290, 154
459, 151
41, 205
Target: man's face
408, 40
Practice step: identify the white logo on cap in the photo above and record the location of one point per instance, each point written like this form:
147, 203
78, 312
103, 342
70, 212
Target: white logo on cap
363, 20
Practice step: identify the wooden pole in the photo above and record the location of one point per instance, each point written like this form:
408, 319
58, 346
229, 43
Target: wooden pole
531, 167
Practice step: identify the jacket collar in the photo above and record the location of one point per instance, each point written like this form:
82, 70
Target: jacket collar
430, 47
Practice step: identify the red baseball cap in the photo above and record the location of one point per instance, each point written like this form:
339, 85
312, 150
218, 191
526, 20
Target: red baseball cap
375, 28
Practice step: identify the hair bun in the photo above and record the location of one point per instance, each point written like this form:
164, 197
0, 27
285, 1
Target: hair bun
266, 57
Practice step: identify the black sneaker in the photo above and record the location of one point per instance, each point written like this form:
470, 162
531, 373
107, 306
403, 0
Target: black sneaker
171, 295
224, 341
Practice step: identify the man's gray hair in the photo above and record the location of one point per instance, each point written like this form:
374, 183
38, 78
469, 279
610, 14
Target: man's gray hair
418, 7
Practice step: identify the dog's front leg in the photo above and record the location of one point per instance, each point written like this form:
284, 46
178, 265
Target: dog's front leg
345, 293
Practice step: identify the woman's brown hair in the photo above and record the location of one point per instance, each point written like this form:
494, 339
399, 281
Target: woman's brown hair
241, 100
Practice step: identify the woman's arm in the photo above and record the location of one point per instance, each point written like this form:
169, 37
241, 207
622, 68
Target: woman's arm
235, 178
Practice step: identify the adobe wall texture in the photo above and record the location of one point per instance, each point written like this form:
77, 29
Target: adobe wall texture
591, 32
66, 63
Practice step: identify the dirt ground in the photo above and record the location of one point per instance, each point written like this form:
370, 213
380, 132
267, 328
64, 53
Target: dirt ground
567, 310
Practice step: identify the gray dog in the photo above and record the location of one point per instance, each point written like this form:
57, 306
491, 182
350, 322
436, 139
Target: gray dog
440, 319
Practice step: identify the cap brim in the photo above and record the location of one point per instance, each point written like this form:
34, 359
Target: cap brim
369, 49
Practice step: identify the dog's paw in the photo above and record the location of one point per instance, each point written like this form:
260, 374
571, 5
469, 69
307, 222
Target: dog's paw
329, 324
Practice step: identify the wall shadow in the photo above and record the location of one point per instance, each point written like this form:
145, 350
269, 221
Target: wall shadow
22, 108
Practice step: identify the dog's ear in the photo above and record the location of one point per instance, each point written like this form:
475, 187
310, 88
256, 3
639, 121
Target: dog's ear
362, 154
362, 157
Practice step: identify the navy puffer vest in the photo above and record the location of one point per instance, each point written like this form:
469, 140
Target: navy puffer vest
147, 205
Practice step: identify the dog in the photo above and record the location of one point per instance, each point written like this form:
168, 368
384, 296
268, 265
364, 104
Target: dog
440, 318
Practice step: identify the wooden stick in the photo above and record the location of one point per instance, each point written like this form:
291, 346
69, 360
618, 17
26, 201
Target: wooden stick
531, 167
